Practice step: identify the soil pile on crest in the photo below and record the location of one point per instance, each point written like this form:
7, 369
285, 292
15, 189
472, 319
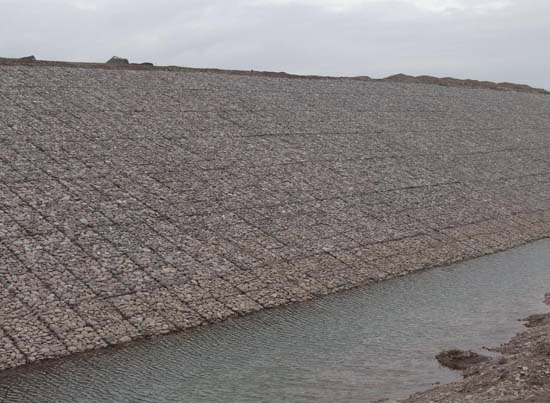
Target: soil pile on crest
456, 82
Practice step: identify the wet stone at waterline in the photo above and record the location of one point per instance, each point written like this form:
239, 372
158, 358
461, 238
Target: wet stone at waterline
350, 346
138, 202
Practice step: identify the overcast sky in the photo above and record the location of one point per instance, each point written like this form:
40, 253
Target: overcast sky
497, 40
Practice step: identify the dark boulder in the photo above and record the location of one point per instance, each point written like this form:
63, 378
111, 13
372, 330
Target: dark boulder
539, 319
30, 58
458, 359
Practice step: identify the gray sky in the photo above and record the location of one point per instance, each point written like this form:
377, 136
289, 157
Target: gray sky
497, 40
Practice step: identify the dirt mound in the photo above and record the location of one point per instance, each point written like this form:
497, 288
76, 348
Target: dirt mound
456, 82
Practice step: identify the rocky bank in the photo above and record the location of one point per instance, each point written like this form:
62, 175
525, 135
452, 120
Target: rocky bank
521, 374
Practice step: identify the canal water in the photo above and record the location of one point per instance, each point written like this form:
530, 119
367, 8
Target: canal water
357, 346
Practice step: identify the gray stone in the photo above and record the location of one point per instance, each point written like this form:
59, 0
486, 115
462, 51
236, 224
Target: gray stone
125, 339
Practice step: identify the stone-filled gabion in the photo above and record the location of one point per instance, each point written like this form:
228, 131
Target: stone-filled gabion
136, 203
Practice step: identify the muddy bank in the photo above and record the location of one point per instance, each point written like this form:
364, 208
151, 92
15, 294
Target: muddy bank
520, 374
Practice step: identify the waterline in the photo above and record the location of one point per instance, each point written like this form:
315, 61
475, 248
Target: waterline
361, 345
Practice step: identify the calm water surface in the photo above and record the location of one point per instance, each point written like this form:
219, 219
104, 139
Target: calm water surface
356, 346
